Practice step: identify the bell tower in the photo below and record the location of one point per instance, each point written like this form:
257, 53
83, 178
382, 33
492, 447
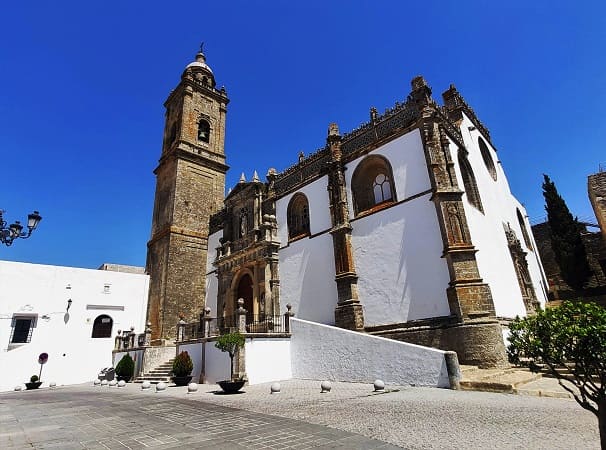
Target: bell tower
190, 187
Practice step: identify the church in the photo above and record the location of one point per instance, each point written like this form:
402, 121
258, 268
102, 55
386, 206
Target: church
403, 228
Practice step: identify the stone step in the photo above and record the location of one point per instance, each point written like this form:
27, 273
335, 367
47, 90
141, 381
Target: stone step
152, 380
505, 380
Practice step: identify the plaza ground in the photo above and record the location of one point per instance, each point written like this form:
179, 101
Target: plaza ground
350, 416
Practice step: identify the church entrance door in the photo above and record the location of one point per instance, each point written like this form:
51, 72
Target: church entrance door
245, 291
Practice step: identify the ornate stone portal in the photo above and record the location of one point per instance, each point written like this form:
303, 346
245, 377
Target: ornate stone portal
247, 259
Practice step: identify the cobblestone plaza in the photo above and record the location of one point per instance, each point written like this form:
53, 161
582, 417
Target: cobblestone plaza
351, 416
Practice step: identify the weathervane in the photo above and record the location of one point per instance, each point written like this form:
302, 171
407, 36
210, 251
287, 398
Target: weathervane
202, 47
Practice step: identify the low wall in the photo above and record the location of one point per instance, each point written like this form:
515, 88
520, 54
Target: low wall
217, 364
136, 354
195, 351
268, 359
324, 352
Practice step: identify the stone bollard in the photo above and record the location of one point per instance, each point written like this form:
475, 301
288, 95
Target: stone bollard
453, 369
145, 385
52, 385
325, 386
161, 386
379, 386
192, 387
121, 383
97, 383
275, 388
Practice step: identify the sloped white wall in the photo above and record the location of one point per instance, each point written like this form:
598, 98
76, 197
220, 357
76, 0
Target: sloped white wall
322, 352
74, 357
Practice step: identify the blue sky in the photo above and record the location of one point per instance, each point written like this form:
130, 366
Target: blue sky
82, 86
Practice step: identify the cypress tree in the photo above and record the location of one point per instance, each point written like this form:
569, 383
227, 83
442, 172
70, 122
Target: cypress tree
565, 238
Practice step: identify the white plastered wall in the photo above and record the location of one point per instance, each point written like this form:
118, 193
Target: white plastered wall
322, 352
41, 291
306, 266
397, 251
268, 359
212, 282
487, 234
195, 353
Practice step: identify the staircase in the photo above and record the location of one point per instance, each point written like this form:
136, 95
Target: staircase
161, 373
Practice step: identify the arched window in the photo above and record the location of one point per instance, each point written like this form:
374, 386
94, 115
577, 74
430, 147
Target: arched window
522, 223
372, 184
469, 182
203, 131
487, 158
298, 216
102, 328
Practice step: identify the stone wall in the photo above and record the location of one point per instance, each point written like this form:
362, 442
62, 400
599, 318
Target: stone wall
596, 187
595, 248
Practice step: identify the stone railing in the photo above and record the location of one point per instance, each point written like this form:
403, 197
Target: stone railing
241, 321
129, 339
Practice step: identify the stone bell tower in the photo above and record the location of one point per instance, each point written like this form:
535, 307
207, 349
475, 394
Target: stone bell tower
190, 186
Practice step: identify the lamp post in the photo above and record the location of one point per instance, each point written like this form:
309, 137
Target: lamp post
11, 232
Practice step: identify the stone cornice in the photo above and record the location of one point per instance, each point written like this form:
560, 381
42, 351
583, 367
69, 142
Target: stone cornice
201, 160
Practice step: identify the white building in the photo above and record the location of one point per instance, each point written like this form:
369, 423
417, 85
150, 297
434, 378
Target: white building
71, 314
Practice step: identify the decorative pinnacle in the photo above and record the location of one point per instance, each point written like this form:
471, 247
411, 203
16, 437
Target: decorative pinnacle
255, 176
242, 178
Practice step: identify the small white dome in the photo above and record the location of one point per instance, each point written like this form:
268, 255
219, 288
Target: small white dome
200, 62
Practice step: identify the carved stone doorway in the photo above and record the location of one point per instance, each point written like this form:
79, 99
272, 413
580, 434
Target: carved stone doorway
245, 291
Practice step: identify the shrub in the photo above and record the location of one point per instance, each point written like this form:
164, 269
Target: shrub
125, 367
34, 379
182, 365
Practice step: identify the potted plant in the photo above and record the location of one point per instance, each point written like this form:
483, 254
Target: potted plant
230, 343
125, 369
33, 383
182, 367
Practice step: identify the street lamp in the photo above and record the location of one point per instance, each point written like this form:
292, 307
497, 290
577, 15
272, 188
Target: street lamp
11, 232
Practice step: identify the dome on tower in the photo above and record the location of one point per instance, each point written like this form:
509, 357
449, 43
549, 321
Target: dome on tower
200, 63
200, 71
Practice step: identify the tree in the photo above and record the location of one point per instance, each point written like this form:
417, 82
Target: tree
229, 343
565, 238
569, 342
